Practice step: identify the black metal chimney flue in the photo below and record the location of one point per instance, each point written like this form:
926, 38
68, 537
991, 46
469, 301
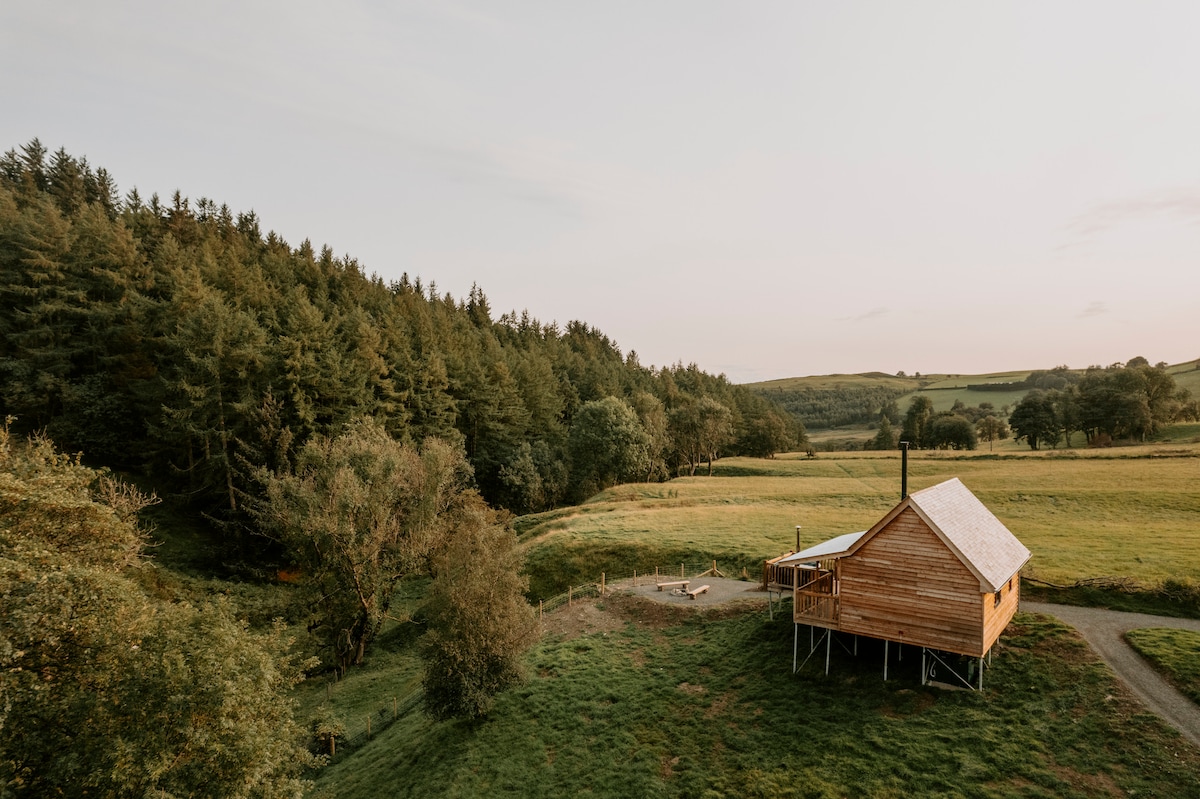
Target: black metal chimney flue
903, 470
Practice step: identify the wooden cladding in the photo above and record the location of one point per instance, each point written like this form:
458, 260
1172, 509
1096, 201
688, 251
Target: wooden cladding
905, 585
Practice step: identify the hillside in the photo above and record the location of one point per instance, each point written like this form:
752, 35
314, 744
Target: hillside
826, 403
629, 698
638, 700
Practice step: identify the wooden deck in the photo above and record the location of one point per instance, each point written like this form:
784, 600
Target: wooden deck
817, 602
814, 589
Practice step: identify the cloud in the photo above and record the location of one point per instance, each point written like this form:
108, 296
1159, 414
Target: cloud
1094, 308
518, 172
1182, 204
874, 313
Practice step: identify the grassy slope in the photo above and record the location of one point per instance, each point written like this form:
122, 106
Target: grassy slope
703, 706
1129, 512
1175, 653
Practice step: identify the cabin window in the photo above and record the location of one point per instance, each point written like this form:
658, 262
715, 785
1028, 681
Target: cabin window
996, 598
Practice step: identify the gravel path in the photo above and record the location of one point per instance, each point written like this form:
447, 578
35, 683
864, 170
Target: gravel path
1104, 630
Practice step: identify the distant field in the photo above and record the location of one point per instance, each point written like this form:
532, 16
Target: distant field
1187, 376
943, 390
1123, 512
841, 381
943, 397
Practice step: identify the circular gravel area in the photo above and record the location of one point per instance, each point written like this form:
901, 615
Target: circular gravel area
720, 590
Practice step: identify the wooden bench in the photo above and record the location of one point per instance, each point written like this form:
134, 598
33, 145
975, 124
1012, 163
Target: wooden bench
683, 583
701, 590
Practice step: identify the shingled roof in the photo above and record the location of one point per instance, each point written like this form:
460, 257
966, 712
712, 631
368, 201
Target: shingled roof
968, 528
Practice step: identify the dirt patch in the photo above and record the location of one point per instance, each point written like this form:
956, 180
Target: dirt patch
582, 618
719, 704
694, 690
645, 606
908, 702
1090, 784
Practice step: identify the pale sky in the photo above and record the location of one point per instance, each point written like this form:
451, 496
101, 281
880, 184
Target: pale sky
766, 189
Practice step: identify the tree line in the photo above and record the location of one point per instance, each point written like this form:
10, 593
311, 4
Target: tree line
1130, 401
823, 408
179, 340
362, 432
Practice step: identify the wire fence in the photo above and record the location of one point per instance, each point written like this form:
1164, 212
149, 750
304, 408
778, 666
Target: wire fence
607, 582
350, 736
338, 742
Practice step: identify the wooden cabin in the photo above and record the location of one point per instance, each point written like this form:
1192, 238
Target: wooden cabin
939, 571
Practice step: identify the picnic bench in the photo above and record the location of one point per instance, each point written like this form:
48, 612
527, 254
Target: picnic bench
677, 583
697, 591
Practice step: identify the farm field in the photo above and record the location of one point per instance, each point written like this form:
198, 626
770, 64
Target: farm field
1131, 512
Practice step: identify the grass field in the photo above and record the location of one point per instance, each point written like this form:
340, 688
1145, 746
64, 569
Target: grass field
1175, 653
646, 700
1125, 512
943, 390
656, 704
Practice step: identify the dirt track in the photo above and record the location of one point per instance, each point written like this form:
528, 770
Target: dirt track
1104, 631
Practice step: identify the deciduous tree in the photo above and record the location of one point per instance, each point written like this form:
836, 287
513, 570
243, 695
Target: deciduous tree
107, 688
1034, 420
480, 624
358, 513
608, 445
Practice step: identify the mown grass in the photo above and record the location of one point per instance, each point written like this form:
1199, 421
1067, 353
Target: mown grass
1124, 512
705, 706
1174, 653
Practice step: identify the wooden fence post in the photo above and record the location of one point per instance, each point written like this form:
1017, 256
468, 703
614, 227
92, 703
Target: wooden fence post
540, 613
635, 578
569, 599
681, 574
601, 583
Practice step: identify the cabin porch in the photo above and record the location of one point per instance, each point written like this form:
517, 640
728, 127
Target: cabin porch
814, 588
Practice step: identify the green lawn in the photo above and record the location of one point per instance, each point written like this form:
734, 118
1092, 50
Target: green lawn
1124, 512
1175, 653
704, 705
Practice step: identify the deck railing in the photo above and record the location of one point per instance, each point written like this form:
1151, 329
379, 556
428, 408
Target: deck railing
818, 601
